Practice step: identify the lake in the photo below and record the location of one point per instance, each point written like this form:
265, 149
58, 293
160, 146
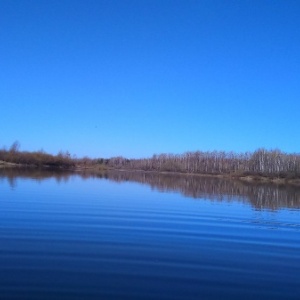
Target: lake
132, 235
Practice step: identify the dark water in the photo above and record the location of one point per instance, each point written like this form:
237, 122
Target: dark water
146, 236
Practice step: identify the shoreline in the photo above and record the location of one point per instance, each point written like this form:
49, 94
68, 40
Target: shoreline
101, 168
242, 177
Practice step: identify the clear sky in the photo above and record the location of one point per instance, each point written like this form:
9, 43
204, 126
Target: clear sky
134, 78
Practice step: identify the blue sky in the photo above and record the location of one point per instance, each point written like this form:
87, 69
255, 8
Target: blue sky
134, 78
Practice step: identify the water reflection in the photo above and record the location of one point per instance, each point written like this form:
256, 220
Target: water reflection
259, 195
12, 174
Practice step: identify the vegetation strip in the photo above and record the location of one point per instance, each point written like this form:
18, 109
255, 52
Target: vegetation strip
260, 164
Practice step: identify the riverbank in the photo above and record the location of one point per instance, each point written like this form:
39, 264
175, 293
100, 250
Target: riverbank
99, 168
241, 177
5, 164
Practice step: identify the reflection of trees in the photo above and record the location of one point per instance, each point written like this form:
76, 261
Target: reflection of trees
11, 174
12, 182
260, 195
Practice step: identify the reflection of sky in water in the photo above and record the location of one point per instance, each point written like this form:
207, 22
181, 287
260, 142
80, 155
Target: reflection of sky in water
110, 237
261, 196
124, 196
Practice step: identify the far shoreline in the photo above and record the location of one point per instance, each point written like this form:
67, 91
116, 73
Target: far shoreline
244, 178
100, 168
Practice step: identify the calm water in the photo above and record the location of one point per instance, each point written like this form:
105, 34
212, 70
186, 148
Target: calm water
146, 236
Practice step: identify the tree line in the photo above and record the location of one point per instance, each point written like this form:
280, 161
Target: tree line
36, 158
40, 158
262, 162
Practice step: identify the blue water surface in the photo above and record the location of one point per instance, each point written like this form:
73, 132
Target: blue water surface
95, 238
